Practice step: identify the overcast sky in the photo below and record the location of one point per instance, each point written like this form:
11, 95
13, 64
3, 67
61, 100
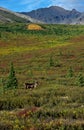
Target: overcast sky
28, 5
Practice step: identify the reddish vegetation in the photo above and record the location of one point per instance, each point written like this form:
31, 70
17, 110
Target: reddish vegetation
26, 112
78, 39
33, 128
3, 44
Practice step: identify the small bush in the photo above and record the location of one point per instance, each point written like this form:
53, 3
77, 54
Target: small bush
12, 80
80, 80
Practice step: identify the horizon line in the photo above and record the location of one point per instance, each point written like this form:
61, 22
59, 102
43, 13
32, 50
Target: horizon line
41, 8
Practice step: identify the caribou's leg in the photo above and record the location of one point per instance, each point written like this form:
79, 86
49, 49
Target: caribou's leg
25, 85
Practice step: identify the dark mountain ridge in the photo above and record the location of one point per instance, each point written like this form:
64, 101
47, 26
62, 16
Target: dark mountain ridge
56, 15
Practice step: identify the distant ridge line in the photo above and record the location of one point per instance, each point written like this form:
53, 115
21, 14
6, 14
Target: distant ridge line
56, 15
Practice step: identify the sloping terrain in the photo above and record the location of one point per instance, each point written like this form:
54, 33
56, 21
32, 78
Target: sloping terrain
80, 19
55, 58
10, 16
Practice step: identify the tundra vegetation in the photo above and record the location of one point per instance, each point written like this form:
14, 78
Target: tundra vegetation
53, 56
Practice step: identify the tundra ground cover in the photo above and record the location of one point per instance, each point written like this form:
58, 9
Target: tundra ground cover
46, 56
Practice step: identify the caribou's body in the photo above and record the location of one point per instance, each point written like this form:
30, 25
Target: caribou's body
31, 85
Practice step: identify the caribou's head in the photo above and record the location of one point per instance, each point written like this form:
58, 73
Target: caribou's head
35, 84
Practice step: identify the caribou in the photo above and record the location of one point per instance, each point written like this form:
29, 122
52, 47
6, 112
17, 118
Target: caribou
31, 85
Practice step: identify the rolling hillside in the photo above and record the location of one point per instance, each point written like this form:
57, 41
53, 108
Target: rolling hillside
53, 56
10, 16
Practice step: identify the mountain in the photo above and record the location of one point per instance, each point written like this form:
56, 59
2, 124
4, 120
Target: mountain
10, 16
56, 15
80, 19
50, 15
